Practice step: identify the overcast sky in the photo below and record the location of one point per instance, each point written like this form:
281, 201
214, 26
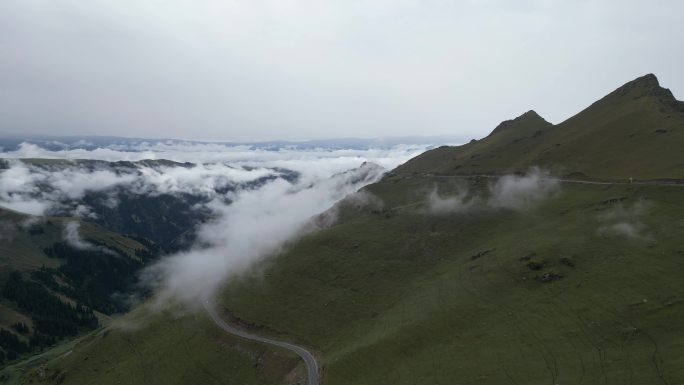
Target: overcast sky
300, 69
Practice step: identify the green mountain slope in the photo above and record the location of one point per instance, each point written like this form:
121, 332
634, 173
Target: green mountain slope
25, 238
51, 288
403, 297
636, 131
166, 348
473, 280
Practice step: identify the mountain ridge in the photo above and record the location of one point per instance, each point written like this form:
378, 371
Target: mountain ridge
647, 85
530, 117
636, 131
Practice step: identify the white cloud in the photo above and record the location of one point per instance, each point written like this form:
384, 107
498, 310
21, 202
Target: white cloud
36, 189
446, 204
514, 192
249, 223
625, 222
26, 205
254, 226
73, 238
624, 229
324, 159
519, 192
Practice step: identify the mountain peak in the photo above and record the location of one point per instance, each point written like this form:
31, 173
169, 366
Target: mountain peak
647, 85
531, 114
648, 80
530, 117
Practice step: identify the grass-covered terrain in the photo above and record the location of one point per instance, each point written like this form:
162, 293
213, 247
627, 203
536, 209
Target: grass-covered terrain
403, 297
165, 348
400, 296
463, 280
25, 237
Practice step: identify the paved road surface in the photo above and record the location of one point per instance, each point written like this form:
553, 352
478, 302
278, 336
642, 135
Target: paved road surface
309, 359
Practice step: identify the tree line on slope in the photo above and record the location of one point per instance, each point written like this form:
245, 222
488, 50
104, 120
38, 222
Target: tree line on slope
62, 301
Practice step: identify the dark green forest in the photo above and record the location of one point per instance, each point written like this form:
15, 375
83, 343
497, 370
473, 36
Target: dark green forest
96, 279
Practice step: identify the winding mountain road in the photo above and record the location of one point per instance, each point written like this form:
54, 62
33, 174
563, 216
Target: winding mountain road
309, 359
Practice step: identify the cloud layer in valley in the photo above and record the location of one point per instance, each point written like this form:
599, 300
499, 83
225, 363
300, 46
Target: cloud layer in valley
39, 187
258, 199
255, 225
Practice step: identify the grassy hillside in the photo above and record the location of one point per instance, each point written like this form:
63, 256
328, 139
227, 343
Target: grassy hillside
166, 348
470, 280
50, 288
636, 131
403, 297
400, 296
25, 237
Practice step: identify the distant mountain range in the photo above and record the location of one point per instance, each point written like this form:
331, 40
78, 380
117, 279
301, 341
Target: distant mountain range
11, 142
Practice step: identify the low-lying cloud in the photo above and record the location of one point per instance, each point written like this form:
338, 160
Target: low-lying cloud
42, 188
361, 200
72, 237
259, 198
36, 189
325, 159
257, 224
447, 204
625, 222
513, 192
520, 192
11, 228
